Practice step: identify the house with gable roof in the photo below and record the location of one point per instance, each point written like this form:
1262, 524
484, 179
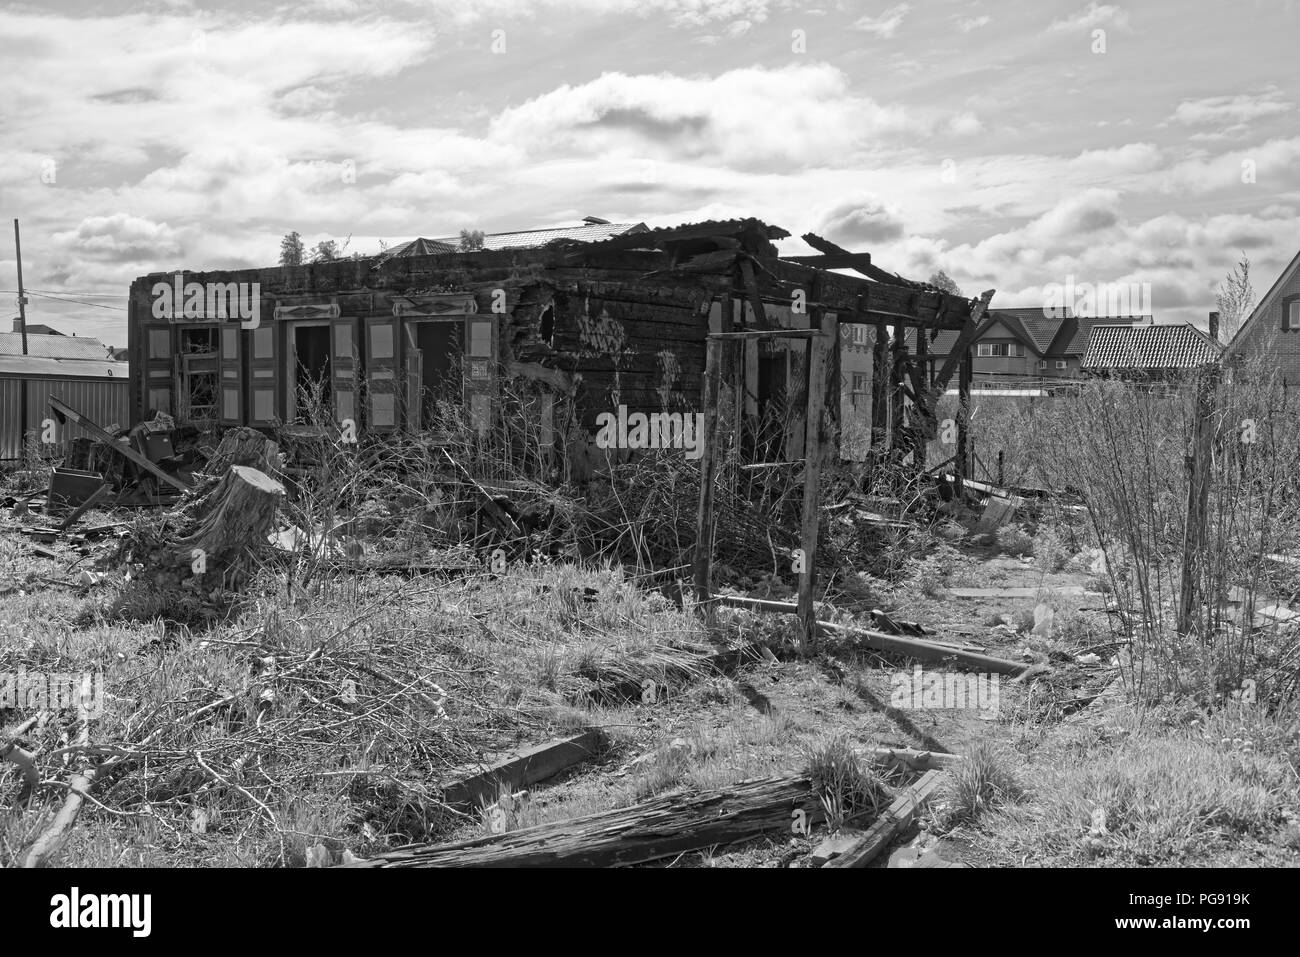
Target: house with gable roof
1273, 326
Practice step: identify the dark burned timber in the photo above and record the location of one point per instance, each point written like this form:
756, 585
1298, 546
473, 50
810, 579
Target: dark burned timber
675, 823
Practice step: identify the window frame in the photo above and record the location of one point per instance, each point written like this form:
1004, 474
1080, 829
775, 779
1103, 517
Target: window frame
1291, 304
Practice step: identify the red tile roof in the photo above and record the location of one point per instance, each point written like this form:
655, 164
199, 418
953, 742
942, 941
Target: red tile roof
1129, 348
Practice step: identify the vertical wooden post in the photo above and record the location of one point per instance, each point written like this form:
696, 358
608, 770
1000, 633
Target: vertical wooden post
921, 413
820, 349
1198, 497
1002, 475
898, 359
960, 462
880, 386
708, 470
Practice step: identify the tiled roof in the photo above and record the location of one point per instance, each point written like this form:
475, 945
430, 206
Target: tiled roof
1075, 333
53, 347
1148, 347
421, 247
1040, 329
524, 239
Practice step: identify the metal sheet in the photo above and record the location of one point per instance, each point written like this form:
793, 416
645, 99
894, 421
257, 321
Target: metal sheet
104, 400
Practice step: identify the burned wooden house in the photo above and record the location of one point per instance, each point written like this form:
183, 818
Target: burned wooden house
548, 338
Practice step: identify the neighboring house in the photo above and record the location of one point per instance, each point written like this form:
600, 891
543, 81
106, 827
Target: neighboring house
1273, 327
1026, 344
35, 328
74, 368
1152, 351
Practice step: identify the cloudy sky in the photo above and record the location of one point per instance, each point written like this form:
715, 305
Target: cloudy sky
1012, 145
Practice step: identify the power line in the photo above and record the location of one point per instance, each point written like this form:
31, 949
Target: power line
80, 292
84, 302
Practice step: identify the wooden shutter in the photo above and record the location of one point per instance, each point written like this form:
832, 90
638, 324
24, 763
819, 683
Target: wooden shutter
229, 384
381, 373
159, 374
480, 370
263, 407
414, 370
343, 337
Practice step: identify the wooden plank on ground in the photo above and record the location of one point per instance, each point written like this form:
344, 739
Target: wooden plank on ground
912, 647
894, 819
522, 768
661, 827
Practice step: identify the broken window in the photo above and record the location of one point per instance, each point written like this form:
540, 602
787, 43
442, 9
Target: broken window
198, 362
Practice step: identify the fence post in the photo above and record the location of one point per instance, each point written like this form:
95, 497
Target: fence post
1198, 497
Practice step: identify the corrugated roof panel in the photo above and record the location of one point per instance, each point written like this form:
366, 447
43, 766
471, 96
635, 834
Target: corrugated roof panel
40, 367
53, 347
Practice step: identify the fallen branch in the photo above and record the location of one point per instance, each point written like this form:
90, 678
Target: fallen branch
52, 838
25, 760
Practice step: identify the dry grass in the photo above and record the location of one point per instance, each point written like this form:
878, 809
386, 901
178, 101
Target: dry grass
1157, 793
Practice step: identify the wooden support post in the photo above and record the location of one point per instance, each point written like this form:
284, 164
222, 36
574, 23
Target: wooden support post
1198, 497
814, 434
961, 463
708, 471
898, 357
834, 385
923, 413
880, 387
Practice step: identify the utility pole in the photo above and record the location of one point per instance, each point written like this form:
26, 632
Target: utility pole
22, 322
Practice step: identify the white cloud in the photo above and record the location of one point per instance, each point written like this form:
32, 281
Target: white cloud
793, 116
1093, 15
967, 24
1231, 109
885, 25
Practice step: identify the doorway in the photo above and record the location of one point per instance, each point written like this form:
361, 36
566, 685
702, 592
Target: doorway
441, 346
313, 372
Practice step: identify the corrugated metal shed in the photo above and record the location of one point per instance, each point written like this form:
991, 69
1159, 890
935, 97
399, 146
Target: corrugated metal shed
104, 398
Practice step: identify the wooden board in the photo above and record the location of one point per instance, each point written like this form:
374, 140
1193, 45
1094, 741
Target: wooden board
894, 819
521, 768
662, 827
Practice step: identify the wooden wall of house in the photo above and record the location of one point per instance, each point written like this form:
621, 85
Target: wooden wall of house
596, 338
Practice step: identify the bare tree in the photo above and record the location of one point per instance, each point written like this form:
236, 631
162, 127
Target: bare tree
1236, 299
471, 240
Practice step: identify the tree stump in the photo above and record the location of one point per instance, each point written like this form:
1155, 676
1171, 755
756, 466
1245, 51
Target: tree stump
210, 544
243, 446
